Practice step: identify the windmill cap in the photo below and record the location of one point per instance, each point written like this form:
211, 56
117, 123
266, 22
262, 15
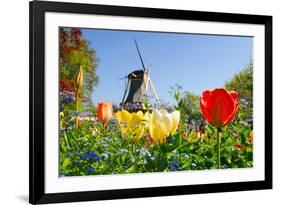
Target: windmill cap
137, 74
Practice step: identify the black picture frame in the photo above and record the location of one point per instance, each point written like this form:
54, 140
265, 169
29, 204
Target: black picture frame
37, 113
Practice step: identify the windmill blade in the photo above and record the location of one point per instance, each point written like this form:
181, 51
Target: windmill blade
148, 78
128, 83
149, 69
126, 75
123, 78
140, 55
125, 83
146, 84
153, 90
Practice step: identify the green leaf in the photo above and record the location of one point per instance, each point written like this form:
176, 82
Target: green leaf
66, 163
131, 169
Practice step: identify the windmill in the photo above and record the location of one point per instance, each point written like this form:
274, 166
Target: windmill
136, 86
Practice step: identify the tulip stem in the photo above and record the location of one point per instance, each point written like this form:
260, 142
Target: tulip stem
218, 149
76, 95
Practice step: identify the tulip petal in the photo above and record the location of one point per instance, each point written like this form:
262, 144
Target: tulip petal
153, 127
162, 124
132, 124
176, 120
234, 95
167, 122
138, 132
220, 106
104, 111
123, 116
206, 95
233, 114
136, 118
204, 111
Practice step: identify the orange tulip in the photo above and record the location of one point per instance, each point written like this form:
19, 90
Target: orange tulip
78, 123
105, 112
219, 106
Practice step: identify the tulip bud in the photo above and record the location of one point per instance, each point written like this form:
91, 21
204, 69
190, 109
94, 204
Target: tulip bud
79, 78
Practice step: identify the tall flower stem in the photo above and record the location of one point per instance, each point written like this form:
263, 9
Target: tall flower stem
76, 96
79, 85
218, 149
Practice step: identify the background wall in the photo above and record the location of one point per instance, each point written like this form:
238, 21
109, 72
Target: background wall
14, 43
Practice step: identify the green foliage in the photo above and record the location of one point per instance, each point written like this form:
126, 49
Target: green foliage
192, 104
177, 94
187, 103
242, 82
91, 149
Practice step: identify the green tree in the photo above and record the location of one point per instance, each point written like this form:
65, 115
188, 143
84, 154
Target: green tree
242, 82
187, 103
192, 105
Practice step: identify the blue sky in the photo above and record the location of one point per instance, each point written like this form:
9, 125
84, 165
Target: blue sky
196, 62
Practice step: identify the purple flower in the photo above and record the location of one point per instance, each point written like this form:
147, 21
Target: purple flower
173, 164
93, 156
90, 169
71, 122
171, 167
90, 155
67, 99
84, 157
62, 175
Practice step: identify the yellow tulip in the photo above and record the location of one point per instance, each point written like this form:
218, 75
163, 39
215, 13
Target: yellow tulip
132, 124
162, 124
61, 114
61, 118
176, 120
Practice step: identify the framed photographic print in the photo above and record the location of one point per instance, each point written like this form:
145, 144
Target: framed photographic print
140, 102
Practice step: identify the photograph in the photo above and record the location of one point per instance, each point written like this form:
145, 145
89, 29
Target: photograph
140, 102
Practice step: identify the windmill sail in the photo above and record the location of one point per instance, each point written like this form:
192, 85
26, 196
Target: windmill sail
143, 67
153, 90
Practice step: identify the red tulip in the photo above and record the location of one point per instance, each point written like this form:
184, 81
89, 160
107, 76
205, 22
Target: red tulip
219, 106
105, 112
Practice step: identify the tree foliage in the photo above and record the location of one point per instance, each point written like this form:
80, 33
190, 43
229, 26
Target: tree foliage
242, 82
75, 52
188, 103
192, 104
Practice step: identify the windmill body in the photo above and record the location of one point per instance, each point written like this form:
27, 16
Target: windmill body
137, 88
